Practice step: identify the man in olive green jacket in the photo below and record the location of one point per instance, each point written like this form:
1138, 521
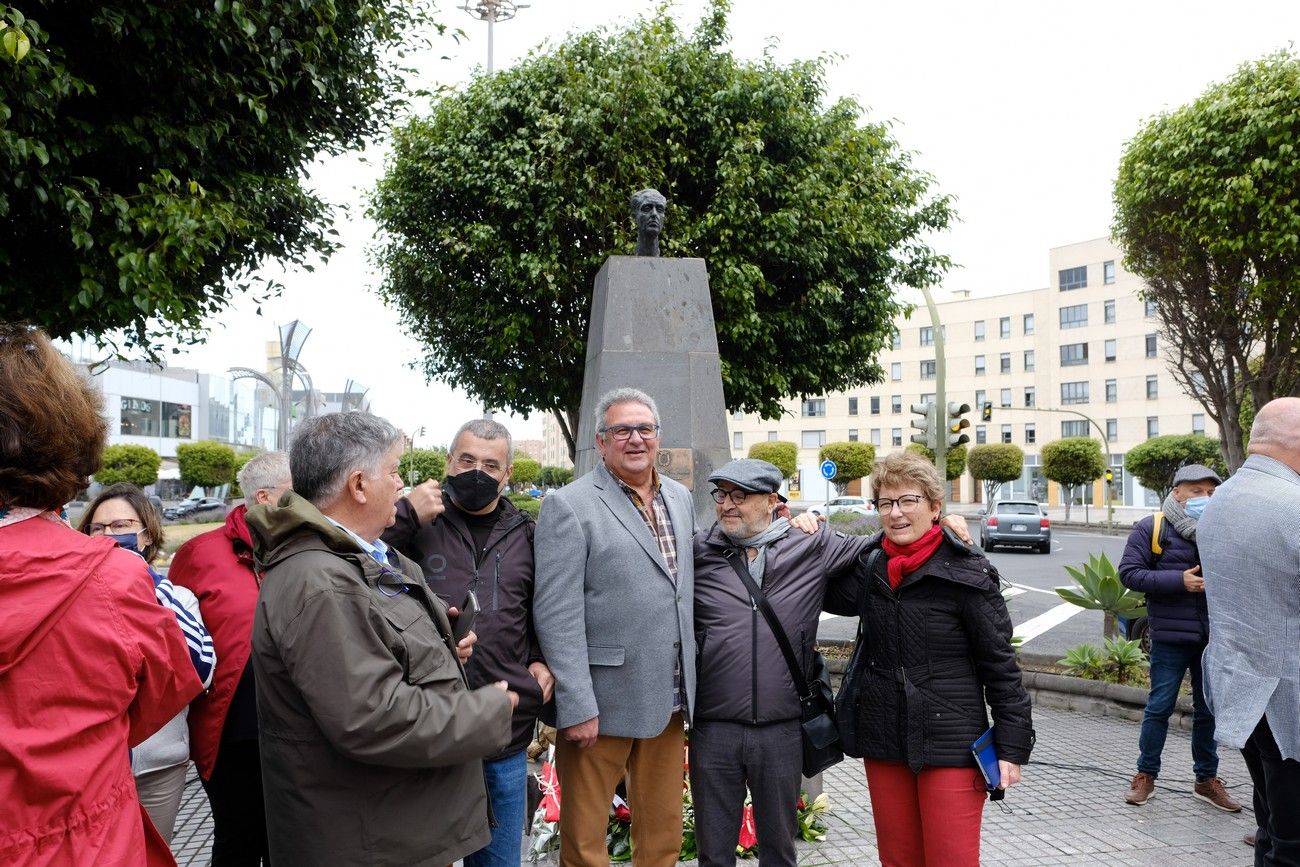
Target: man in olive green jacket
371, 740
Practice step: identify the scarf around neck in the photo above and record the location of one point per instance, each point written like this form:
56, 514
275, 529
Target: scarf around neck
775, 530
906, 559
1176, 515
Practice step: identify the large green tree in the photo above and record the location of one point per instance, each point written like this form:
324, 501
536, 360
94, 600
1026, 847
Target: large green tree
420, 465
497, 210
1154, 462
125, 462
1071, 462
782, 455
995, 464
853, 461
207, 463
153, 154
1207, 212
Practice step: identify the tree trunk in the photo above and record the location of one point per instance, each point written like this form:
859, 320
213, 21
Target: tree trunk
1109, 625
568, 422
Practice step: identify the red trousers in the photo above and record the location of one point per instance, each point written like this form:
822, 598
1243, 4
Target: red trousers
930, 819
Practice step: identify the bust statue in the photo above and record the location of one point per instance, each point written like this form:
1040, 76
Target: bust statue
648, 210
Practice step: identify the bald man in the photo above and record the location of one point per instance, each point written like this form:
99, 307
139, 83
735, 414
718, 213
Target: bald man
1249, 539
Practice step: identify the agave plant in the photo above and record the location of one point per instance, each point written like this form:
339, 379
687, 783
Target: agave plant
1086, 661
1124, 658
1096, 586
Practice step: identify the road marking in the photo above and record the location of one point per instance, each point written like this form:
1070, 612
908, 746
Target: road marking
1026, 588
1013, 591
1053, 617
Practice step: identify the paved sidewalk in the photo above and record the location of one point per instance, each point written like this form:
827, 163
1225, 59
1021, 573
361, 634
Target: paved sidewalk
1069, 810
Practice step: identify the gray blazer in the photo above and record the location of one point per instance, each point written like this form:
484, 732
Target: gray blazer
611, 622
1249, 538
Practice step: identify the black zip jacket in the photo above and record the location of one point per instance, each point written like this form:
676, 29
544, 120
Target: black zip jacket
940, 649
503, 581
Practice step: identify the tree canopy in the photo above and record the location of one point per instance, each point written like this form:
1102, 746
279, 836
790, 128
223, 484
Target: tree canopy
125, 462
1207, 213
955, 458
207, 463
525, 471
1071, 462
782, 455
995, 464
853, 461
420, 465
153, 155
497, 210
1154, 462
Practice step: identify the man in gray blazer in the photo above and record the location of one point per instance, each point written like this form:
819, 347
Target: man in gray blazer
1249, 538
612, 608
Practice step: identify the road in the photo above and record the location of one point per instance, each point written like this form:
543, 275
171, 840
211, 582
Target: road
1049, 625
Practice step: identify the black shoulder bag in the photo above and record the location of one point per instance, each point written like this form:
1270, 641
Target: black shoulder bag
820, 736
846, 703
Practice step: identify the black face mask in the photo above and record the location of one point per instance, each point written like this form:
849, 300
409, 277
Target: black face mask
472, 490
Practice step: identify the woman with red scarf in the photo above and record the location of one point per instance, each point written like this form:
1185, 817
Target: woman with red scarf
938, 659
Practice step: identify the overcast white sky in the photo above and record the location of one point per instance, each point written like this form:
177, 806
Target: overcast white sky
1018, 109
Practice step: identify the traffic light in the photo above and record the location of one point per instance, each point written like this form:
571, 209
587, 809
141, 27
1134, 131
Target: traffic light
987, 412
928, 424
957, 424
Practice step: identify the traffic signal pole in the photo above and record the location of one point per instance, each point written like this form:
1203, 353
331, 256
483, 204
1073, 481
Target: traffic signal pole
940, 393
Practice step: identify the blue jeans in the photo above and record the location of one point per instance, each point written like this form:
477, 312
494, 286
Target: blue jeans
1169, 662
507, 788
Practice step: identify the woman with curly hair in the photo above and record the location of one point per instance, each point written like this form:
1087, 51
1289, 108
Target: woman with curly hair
90, 663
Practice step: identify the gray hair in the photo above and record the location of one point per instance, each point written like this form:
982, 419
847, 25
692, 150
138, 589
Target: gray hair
485, 429
267, 470
646, 195
328, 448
623, 395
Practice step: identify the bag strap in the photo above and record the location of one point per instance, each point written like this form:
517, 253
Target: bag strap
761, 604
1156, 524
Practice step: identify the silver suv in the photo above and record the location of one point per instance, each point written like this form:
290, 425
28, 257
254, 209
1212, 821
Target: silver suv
1016, 522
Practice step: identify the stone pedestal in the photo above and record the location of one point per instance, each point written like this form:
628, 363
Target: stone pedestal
652, 329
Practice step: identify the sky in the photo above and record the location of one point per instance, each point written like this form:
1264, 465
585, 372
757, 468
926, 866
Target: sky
1019, 110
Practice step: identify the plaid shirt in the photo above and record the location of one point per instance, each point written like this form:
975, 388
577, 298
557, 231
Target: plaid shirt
661, 530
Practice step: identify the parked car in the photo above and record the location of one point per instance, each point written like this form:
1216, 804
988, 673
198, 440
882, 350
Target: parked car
1016, 522
861, 505
203, 507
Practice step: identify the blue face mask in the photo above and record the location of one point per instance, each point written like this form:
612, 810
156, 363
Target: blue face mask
129, 541
1195, 506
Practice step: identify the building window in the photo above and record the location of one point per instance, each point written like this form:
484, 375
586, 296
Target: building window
1004, 327
979, 365
1004, 362
1108, 272
1030, 395
1108, 311
928, 399
895, 403
853, 434
1074, 353
927, 369
896, 371
1153, 426
814, 408
1029, 360
981, 434
1112, 430
1198, 423
875, 405
927, 335
771, 436
1074, 316
1149, 309
853, 406
812, 439
1006, 433
979, 330
980, 397
737, 441
875, 436
896, 340
1112, 391
1153, 387
1029, 323
1073, 278
1151, 346
896, 436
1074, 428
1074, 392
1108, 348
1031, 434
1006, 397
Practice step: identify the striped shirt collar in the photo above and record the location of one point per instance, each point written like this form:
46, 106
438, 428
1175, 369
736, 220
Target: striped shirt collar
377, 549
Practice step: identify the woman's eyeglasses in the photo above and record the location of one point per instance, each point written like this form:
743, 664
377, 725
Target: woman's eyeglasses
906, 503
116, 528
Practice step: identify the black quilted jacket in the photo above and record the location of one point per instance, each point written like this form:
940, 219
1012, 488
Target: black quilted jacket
940, 650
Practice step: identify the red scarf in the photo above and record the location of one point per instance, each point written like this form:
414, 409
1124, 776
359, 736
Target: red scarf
906, 559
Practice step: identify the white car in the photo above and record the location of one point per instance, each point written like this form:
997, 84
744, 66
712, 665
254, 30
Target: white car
861, 505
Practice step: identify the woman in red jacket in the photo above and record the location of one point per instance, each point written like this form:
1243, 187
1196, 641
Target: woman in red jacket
90, 663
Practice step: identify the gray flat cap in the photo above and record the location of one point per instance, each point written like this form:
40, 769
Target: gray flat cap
1196, 473
750, 474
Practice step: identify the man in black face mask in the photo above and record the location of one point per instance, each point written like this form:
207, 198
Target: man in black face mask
467, 537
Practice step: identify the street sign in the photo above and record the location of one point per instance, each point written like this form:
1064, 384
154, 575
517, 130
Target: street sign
829, 469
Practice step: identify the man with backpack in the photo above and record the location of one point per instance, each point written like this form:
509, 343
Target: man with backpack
1161, 560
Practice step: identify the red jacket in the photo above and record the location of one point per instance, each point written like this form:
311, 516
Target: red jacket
90, 664
217, 566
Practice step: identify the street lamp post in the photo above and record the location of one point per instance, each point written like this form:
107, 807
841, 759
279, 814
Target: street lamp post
492, 11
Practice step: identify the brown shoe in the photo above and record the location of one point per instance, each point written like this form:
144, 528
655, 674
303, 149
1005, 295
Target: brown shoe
1249, 839
1211, 791
1141, 789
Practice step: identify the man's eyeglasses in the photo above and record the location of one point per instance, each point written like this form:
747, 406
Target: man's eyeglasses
623, 432
118, 527
736, 495
469, 462
906, 503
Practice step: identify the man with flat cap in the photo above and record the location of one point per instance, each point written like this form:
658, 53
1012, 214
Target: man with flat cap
1161, 560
